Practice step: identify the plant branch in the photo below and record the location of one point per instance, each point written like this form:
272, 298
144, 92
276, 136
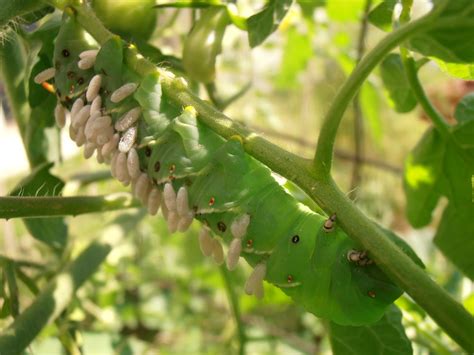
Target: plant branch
234, 303
327, 136
28, 206
359, 134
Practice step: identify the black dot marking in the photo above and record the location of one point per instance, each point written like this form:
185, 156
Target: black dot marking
71, 75
249, 243
147, 151
295, 239
221, 226
289, 278
371, 294
212, 200
65, 53
80, 81
157, 166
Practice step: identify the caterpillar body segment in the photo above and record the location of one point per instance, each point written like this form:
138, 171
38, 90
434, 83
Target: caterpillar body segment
175, 163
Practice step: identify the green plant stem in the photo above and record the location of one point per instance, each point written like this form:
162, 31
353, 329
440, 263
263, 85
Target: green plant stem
21, 207
57, 295
234, 303
315, 178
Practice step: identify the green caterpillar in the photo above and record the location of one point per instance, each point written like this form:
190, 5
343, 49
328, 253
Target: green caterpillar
173, 161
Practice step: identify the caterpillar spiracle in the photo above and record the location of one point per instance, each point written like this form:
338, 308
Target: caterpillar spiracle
173, 162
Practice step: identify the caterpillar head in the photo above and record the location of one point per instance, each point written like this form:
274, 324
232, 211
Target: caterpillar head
70, 80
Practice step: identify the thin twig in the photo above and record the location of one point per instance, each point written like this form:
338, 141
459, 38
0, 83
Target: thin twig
359, 134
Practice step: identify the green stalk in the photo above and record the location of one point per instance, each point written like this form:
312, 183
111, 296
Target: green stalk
315, 178
234, 303
57, 295
21, 207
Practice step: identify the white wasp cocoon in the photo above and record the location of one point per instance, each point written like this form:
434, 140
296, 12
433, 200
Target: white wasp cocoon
45, 75
239, 226
94, 87
82, 116
89, 149
100, 157
170, 197
72, 133
76, 107
60, 115
90, 123
205, 241
104, 136
233, 254
86, 63
113, 165
121, 168
217, 252
123, 92
142, 187
128, 139
164, 209
89, 53
154, 199
97, 126
254, 284
111, 145
185, 222
173, 220
96, 105
128, 119
133, 163
80, 137
182, 202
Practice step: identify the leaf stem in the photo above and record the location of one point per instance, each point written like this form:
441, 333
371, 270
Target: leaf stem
28, 206
234, 303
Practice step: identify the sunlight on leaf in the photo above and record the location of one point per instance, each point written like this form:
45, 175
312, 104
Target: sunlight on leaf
416, 175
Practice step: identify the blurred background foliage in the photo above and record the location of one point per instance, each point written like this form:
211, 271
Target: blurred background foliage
155, 290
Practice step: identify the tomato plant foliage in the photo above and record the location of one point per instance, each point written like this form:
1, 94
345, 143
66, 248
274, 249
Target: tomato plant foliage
139, 110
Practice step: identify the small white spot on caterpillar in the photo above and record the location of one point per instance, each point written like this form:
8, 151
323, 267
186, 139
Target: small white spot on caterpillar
94, 87
182, 202
233, 255
123, 92
90, 53
239, 226
76, 107
254, 284
121, 168
128, 139
89, 149
173, 220
205, 241
128, 119
45, 75
111, 145
96, 105
170, 197
133, 163
60, 115
82, 116
86, 63
217, 252
154, 199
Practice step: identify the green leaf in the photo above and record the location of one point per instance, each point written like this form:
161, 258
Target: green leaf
423, 168
194, 4
465, 109
396, 82
370, 104
387, 336
464, 133
343, 10
461, 71
382, 15
454, 237
51, 231
454, 43
264, 23
296, 54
